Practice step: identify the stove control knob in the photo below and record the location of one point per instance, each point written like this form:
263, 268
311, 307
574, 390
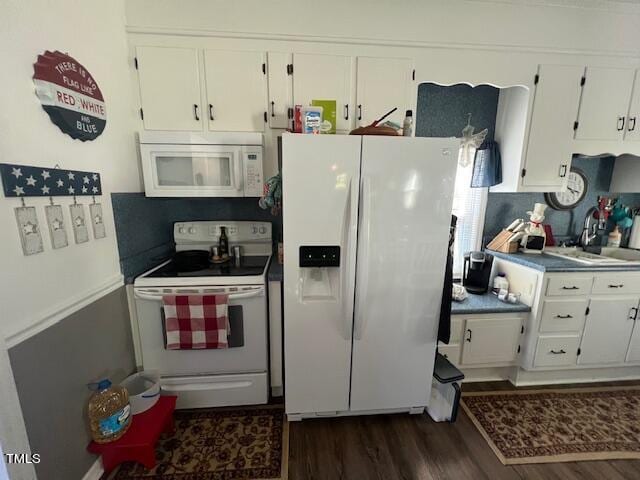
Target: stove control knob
192, 230
263, 230
180, 229
254, 229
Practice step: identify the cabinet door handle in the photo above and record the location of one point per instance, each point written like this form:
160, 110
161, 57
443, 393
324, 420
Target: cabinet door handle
273, 108
564, 316
571, 288
621, 123
346, 112
469, 333
563, 171
631, 125
557, 352
619, 285
211, 117
359, 112
633, 316
195, 112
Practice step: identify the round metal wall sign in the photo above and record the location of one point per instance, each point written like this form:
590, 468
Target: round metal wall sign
70, 95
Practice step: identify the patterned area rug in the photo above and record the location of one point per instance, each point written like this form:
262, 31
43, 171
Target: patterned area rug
545, 426
220, 444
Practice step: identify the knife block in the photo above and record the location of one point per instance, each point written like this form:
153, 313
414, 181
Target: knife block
501, 243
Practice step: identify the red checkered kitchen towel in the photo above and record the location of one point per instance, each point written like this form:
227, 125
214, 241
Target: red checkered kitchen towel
196, 321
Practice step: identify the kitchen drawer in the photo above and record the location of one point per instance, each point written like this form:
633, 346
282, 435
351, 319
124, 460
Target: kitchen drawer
456, 329
566, 285
563, 315
557, 351
451, 352
616, 284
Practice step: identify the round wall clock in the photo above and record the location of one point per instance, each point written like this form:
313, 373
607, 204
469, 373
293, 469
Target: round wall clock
577, 185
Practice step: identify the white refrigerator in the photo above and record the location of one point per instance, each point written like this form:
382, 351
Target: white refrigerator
366, 227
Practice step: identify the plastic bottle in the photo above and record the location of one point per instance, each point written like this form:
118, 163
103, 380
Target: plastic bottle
500, 283
615, 237
407, 124
109, 412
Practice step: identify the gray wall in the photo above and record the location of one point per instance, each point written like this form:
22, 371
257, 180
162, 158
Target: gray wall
144, 225
51, 371
442, 112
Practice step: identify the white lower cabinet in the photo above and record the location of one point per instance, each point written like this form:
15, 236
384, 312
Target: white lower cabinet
451, 352
633, 355
608, 329
557, 351
563, 315
491, 340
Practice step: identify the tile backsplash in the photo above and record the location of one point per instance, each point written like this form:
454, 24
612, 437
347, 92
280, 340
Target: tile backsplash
144, 225
502, 208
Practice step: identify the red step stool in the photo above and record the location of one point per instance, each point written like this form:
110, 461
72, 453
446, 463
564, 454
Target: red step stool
138, 444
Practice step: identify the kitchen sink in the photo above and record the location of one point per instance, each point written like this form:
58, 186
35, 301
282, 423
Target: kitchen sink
607, 257
626, 254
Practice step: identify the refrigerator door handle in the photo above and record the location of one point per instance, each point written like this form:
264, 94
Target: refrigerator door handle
345, 239
363, 258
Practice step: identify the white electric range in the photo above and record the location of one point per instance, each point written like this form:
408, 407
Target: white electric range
211, 377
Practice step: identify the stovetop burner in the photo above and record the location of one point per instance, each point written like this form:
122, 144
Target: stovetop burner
249, 265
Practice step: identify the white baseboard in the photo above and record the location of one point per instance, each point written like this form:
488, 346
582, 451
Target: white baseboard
96, 471
526, 378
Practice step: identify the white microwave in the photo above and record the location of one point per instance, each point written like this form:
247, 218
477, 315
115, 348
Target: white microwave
183, 164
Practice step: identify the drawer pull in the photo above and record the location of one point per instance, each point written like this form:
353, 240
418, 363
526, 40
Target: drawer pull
469, 333
564, 316
571, 288
559, 352
633, 314
620, 285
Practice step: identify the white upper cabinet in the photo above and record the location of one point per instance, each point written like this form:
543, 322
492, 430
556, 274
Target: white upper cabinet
325, 77
236, 90
632, 129
607, 331
548, 154
604, 104
280, 69
169, 88
383, 84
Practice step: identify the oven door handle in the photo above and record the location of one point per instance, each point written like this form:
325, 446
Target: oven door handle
235, 296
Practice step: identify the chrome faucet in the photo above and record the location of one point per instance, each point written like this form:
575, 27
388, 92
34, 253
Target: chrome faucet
590, 227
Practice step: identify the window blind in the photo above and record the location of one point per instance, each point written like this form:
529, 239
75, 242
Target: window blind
469, 206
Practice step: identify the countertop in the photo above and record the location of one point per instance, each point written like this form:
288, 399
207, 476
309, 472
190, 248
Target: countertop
551, 263
487, 303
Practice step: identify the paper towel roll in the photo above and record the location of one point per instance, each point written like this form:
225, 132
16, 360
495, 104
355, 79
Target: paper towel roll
634, 239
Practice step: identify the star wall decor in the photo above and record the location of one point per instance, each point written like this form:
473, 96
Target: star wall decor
57, 230
29, 181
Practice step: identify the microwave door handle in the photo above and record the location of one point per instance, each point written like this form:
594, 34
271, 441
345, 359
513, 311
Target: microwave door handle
237, 174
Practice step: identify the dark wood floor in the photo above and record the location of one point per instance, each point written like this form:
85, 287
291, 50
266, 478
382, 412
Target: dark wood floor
389, 447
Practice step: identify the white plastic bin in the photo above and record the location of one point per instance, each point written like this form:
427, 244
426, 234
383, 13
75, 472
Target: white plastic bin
143, 389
